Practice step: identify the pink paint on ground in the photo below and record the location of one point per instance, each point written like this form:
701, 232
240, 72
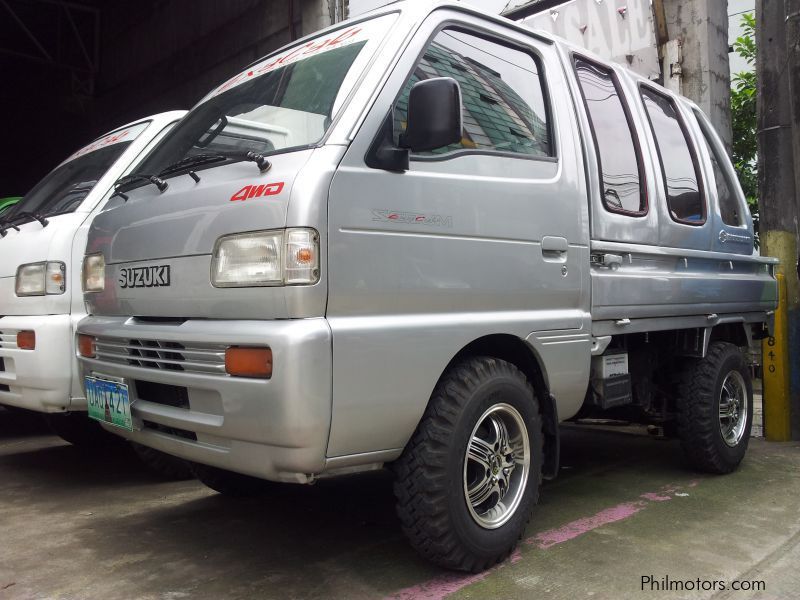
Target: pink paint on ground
449, 583
546, 539
653, 497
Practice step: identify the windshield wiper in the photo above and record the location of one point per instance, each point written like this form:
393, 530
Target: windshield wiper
207, 158
5, 225
34, 215
9, 223
195, 160
129, 179
263, 164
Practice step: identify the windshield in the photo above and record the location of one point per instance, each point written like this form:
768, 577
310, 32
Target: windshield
66, 187
285, 101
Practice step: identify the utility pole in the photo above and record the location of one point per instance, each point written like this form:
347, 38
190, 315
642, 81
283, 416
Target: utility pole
778, 198
792, 22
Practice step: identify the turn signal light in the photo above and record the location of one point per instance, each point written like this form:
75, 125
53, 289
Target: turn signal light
26, 340
86, 346
249, 362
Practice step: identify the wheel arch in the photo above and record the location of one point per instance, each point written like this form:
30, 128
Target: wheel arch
737, 333
522, 355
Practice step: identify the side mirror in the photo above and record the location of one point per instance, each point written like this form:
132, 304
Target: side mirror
434, 115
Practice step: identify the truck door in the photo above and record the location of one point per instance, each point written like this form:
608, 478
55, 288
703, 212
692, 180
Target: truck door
488, 235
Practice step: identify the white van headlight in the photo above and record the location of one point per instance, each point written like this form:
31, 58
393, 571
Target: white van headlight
38, 279
94, 273
262, 258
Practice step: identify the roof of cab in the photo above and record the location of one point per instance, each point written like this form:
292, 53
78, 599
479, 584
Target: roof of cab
419, 9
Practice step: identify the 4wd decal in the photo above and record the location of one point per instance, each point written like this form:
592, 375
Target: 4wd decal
144, 277
257, 191
396, 216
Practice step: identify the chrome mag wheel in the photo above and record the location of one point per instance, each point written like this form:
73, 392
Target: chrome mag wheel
733, 408
496, 466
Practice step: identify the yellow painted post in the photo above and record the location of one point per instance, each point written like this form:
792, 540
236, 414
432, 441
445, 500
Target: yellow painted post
775, 350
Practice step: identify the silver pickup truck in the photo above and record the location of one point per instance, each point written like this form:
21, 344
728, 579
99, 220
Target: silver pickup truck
421, 239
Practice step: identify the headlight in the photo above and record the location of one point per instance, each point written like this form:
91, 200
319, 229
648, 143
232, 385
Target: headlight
38, 279
261, 258
94, 273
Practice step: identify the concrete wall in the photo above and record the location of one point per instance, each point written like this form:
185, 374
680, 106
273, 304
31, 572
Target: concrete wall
318, 14
702, 27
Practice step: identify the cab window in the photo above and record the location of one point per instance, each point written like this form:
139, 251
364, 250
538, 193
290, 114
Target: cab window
503, 102
622, 182
726, 196
678, 160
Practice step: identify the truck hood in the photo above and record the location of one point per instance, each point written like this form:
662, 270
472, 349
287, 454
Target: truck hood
34, 243
158, 246
188, 218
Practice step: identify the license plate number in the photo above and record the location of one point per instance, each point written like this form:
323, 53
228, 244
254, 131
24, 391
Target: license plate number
109, 402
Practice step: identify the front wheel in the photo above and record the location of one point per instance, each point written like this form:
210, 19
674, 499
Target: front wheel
468, 479
715, 409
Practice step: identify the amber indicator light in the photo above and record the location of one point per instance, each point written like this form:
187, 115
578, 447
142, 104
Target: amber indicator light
249, 362
86, 347
26, 340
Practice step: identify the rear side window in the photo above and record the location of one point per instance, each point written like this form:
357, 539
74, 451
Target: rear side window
620, 164
503, 101
678, 162
726, 197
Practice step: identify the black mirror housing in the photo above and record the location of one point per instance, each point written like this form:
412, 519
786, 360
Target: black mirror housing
434, 115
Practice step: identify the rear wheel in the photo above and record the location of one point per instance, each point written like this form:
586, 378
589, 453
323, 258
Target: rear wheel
715, 409
165, 465
228, 483
79, 430
469, 477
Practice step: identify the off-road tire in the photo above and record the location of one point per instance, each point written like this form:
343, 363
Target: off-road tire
164, 465
698, 409
228, 483
429, 475
79, 430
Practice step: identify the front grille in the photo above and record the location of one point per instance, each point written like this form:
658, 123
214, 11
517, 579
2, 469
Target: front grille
168, 356
8, 339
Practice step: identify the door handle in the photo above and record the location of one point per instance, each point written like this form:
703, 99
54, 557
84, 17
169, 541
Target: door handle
554, 248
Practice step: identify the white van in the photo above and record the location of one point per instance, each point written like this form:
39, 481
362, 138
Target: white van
42, 242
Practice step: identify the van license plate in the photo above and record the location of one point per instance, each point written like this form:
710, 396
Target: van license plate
109, 402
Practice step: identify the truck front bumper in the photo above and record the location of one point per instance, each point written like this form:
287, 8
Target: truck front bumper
184, 403
40, 379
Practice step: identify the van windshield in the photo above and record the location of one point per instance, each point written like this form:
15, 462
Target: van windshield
286, 101
64, 189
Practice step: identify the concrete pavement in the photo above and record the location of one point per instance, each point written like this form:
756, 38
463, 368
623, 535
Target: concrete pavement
74, 525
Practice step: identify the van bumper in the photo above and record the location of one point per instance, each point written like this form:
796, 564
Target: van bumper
39, 379
183, 403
